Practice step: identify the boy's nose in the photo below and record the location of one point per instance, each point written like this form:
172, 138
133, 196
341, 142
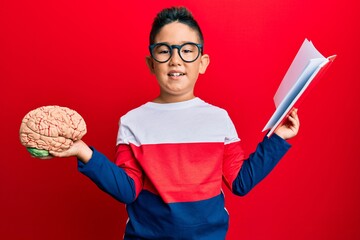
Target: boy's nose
175, 57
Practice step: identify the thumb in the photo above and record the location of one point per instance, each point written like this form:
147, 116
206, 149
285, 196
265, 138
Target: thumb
58, 154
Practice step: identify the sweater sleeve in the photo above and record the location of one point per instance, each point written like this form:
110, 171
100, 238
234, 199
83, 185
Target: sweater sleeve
109, 177
259, 164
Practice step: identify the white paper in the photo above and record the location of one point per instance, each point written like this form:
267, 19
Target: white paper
305, 66
306, 52
290, 101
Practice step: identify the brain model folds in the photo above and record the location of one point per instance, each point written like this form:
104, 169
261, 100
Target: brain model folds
51, 128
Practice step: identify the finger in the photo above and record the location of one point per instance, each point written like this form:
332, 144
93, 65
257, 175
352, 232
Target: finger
294, 115
294, 124
56, 154
294, 112
293, 121
53, 153
296, 118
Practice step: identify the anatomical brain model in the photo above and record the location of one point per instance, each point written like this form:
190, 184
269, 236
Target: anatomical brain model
51, 128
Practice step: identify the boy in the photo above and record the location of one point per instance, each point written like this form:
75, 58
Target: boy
174, 152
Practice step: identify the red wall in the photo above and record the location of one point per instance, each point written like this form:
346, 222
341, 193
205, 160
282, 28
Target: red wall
90, 56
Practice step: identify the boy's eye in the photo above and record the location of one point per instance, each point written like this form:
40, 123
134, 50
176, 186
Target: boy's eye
187, 50
162, 50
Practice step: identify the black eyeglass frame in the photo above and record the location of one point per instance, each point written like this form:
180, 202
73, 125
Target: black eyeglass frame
178, 47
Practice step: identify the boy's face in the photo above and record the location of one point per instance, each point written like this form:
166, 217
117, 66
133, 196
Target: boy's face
177, 78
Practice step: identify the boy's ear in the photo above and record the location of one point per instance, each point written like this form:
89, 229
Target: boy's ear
150, 64
204, 63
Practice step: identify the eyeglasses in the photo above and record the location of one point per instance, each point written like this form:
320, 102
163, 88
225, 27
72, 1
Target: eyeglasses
188, 52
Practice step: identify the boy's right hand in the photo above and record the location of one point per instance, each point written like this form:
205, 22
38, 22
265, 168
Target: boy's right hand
78, 149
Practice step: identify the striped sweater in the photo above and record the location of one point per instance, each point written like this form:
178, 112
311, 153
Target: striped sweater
170, 164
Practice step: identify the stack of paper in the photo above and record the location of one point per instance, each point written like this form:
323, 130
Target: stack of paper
306, 66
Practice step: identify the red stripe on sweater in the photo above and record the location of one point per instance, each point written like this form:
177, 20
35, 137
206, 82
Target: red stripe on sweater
181, 172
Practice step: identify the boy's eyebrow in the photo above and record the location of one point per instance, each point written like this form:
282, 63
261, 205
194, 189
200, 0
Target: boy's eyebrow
180, 43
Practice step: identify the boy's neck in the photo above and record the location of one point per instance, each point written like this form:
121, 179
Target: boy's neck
172, 99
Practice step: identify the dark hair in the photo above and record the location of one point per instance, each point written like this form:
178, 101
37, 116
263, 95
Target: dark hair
174, 14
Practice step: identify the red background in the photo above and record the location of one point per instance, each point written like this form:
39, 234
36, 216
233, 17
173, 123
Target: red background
90, 56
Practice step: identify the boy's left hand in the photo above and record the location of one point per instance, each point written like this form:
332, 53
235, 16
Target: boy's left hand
290, 127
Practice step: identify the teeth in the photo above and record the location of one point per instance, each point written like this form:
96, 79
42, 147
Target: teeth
176, 74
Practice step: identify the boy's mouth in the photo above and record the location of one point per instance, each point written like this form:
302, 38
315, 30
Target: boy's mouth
176, 74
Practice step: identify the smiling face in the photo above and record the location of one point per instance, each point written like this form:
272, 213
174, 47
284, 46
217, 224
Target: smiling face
175, 77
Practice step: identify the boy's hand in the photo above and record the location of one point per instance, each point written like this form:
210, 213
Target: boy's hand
290, 127
78, 149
